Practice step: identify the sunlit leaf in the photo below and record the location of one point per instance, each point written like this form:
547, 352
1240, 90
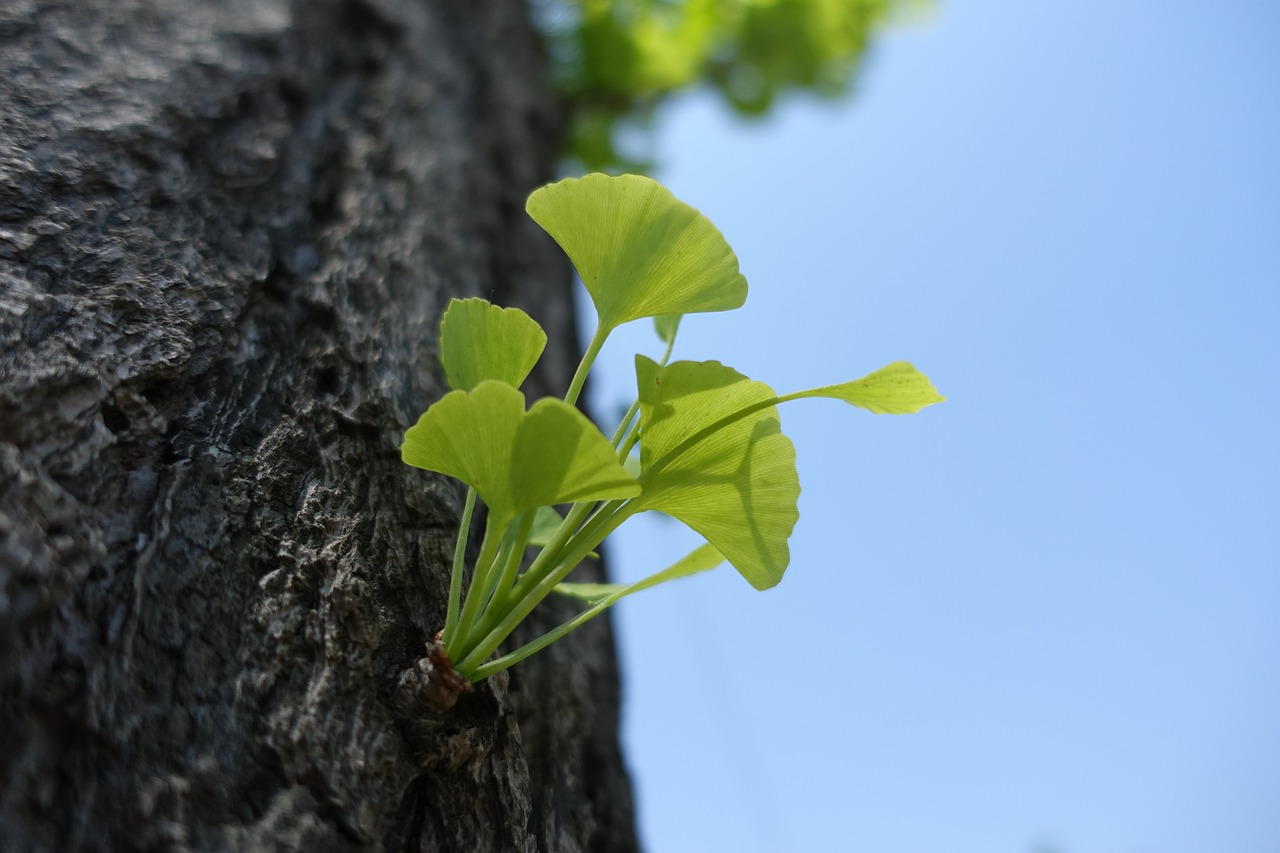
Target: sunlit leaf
896, 389
480, 341
632, 465
639, 250
605, 594
738, 487
666, 326
516, 460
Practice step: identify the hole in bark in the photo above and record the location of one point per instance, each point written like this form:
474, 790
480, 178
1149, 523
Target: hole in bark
321, 317
114, 419
163, 394
366, 19
327, 382
295, 95
260, 791
276, 284
324, 201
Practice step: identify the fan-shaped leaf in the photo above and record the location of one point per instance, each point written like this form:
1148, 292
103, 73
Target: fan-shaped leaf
738, 486
480, 341
560, 456
546, 521
516, 460
666, 325
605, 594
895, 389
639, 250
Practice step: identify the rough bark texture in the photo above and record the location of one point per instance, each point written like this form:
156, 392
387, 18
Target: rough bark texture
227, 230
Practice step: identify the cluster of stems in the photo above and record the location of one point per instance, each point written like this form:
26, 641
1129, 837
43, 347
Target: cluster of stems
500, 595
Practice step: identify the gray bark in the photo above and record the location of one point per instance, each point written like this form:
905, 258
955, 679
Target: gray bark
227, 231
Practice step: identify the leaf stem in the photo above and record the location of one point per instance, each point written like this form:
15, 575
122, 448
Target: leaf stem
479, 580
666, 354
679, 570
547, 563
728, 420
499, 584
508, 597
588, 358
624, 427
459, 561
511, 658
631, 442
538, 582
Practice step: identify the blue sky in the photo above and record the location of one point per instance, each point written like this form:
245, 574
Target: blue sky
1045, 615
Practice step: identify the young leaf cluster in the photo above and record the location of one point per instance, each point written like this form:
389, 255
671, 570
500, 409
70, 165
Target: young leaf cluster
702, 443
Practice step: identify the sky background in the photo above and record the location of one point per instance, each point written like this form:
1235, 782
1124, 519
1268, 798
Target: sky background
1044, 615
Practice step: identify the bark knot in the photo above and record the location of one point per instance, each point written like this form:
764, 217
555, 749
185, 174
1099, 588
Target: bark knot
431, 684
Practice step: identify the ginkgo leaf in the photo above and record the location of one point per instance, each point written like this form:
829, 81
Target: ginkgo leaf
516, 460
632, 465
480, 341
639, 250
738, 486
666, 326
606, 594
895, 389
546, 521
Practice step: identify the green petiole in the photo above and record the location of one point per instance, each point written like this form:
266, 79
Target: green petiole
459, 561
540, 581
584, 366
479, 579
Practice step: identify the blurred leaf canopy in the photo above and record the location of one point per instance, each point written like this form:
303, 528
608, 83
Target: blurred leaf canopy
616, 60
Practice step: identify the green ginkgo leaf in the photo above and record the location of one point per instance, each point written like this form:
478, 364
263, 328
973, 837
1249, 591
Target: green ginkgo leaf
546, 521
606, 594
480, 341
895, 389
738, 486
516, 460
666, 326
640, 251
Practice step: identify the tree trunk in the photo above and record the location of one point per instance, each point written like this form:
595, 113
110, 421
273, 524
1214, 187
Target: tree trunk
227, 231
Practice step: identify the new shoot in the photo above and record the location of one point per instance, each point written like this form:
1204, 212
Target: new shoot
702, 443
